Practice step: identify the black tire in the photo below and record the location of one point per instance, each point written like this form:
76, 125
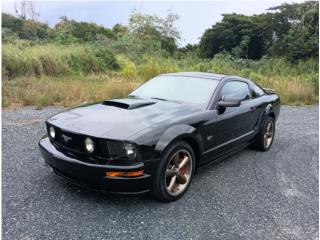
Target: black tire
260, 142
159, 190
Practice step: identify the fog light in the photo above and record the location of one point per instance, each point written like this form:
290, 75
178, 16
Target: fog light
125, 174
89, 145
130, 150
52, 132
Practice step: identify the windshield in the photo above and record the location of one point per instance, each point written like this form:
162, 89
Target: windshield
178, 88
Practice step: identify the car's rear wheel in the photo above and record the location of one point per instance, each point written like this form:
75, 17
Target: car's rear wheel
175, 172
265, 137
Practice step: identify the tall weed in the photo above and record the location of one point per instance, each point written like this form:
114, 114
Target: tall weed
69, 74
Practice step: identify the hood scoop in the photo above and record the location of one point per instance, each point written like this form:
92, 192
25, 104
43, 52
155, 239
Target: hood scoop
128, 103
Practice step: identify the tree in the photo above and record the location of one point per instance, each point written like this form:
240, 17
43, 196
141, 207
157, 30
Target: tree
290, 31
236, 33
11, 22
296, 30
120, 30
80, 31
241, 51
26, 10
154, 28
24, 28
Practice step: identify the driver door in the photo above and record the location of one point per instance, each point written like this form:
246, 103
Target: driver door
233, 124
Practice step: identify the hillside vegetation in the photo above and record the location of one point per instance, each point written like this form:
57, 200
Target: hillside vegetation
76, 62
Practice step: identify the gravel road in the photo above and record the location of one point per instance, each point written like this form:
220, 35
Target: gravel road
252, 195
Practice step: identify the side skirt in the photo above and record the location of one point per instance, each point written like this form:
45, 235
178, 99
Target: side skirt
226, 155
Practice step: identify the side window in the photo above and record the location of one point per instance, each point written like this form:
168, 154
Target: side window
236, 89
257, 91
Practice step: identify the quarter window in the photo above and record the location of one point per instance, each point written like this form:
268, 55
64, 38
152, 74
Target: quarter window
236, 89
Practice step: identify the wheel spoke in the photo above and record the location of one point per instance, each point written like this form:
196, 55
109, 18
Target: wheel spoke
269, 128
184, 162
176, 160
181, 179
269, 141
172, 182
265, 138
170, 172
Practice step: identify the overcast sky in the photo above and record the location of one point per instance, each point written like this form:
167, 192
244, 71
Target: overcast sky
195, 16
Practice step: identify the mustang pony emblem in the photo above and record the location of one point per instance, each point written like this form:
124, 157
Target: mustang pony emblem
66, 138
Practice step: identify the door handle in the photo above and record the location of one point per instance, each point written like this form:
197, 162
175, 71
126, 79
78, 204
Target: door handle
252, 109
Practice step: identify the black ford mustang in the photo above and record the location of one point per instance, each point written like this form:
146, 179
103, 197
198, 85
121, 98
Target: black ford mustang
157, 137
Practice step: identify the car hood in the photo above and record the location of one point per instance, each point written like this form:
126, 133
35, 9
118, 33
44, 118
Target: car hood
119, 118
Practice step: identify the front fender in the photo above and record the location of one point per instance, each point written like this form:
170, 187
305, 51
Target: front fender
175, 133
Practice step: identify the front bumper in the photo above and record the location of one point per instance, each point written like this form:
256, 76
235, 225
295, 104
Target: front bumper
93, 175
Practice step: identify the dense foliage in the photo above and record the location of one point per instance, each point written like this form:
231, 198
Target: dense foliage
290, 31
18, 28
278, 49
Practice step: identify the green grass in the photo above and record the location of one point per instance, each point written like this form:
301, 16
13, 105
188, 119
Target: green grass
54, 60
66, 91
48, 74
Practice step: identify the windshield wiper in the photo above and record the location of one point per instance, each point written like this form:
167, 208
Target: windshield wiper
162, 99
134, 96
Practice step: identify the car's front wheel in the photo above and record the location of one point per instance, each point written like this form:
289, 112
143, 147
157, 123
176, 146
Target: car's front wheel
175, 172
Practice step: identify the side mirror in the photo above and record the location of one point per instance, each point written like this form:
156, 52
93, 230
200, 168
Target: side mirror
229, 102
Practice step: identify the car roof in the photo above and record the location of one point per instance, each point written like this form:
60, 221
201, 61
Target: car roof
197, 74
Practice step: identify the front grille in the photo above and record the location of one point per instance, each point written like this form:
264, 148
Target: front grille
73, 144
70, 140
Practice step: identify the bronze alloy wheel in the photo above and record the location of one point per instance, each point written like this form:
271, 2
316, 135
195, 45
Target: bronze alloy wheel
268, 135
178, 172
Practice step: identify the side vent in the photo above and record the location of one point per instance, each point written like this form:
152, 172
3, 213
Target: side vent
127, 103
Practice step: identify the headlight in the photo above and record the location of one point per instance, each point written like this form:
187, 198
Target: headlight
52, 132
89, 145
130, 150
